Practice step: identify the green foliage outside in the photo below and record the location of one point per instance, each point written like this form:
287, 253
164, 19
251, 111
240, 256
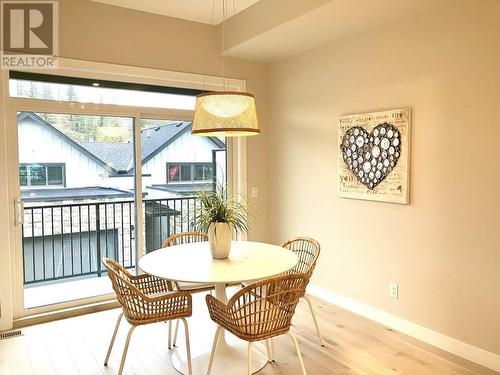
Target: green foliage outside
82, 128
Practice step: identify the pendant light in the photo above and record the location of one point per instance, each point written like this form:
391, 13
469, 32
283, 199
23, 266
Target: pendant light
225, 113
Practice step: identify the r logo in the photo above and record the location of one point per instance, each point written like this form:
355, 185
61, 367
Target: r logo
28, 27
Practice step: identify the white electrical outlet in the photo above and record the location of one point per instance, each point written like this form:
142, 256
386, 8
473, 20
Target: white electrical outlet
255, 192
394, 290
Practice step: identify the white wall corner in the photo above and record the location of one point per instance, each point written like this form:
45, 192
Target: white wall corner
6, 295
439, 340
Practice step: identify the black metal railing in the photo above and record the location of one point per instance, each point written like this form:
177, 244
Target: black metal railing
165, 217
68, 240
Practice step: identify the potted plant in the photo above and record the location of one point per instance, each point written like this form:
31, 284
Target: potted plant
221, 216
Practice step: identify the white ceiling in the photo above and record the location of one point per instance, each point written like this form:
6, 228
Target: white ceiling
335, 20
191, 10
269, 30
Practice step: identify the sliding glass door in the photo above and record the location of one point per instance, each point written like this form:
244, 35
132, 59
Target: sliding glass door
96, 177
76, 178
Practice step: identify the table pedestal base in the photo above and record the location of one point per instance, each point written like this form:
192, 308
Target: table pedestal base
231, 357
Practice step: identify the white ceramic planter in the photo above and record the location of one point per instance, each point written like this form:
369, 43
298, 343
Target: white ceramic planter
219, 237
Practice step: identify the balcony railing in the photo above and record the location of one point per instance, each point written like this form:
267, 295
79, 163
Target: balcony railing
68, 240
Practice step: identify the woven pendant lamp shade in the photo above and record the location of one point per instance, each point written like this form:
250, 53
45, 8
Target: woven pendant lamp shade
225, 114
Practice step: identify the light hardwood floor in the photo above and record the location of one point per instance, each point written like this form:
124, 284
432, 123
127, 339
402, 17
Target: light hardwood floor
355, 345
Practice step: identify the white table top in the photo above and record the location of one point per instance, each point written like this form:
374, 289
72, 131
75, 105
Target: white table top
193, 262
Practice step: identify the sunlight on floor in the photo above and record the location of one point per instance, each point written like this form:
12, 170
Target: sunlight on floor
50, 294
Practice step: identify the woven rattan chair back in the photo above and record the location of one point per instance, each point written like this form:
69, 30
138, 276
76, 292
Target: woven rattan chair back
307, 250
146, 299
139, 308
185, 237
128, 295
261, 310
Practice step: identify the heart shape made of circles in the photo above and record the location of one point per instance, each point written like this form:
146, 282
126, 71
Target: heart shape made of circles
371, 156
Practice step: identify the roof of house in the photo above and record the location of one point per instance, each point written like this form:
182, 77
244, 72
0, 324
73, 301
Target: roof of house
182, 188
22, 115
58, 194
118, 157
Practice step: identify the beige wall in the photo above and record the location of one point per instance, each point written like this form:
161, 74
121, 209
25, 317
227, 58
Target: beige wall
444, 248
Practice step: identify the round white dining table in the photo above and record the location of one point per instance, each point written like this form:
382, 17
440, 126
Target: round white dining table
193, 263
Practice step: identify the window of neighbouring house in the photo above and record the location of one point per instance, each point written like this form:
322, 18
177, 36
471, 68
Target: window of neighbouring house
173, 173
36, 174
186, 173
55, 175
189, 172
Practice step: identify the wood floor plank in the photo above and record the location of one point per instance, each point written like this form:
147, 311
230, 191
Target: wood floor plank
18, 358
363, 340
4, 357
38, 354
355, 346
59, 353
398, 350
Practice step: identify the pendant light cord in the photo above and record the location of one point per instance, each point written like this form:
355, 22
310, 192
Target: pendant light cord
223, 45
237, 32
211, 22
225, 83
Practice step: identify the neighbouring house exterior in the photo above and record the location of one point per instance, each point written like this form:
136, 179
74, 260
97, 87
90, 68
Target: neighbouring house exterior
41, 143
78, 196
173, 162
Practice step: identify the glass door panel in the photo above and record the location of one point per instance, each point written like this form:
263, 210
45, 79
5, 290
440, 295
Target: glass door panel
76, 176
99, 95
175, 166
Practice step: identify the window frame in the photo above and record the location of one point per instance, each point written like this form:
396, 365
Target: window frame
46, 166
121, 94
193, 172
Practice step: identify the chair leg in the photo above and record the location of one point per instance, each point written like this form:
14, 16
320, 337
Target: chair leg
175, 333
125, 349
188, 347
250, 345
298, 352
269, 347
169, 334
117, 325
314, 319
214, 348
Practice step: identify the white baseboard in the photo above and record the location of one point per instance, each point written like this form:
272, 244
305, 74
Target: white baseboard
439, 340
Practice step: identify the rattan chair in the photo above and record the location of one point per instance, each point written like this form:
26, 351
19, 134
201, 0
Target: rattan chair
260, 311
146, 299
307, 250
179, 239
185, 237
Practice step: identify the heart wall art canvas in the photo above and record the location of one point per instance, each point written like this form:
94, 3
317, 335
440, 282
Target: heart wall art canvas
374, 152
